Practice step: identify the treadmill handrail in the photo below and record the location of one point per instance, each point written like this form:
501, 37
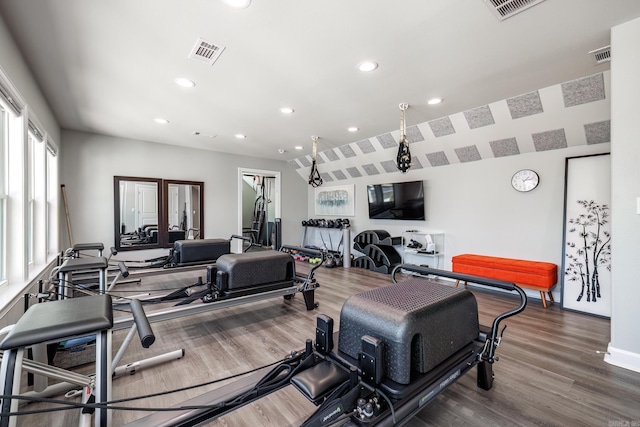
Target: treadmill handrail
489, 354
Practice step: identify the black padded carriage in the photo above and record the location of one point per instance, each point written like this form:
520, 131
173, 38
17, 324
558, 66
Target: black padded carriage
247, 272
421, 325
197, 251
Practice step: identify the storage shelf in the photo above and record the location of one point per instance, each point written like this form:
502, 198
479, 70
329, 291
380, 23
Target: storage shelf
431, 241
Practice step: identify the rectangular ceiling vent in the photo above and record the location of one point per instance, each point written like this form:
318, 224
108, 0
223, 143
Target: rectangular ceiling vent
601, 55
206, 52
503, 9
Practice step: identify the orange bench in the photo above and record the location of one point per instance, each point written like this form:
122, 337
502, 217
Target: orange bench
540, 276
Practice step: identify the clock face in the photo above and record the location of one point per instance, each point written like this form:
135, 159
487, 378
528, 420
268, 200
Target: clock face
525, 180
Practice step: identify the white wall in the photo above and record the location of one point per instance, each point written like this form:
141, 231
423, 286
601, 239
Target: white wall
14, 66
90, 162
478, 210
624, 348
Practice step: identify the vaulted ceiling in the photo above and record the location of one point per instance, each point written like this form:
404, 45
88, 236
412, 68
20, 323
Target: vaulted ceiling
109, 67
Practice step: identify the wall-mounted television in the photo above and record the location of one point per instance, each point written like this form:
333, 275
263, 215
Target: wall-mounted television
398, 200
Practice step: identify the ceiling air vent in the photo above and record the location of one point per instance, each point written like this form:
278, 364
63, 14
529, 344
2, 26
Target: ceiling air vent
206, 52
601, 55
504, 9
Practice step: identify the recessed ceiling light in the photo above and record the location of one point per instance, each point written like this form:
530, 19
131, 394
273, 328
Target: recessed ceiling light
286, 110
238, 4
161, 121
298, 147
367, 66
181, 81
240, 136
434, 101
353, 129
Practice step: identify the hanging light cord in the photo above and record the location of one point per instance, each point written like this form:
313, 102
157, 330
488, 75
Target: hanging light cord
315, 180
403, 161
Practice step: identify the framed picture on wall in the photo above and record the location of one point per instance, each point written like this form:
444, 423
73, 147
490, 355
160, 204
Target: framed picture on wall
586, 255
337, 200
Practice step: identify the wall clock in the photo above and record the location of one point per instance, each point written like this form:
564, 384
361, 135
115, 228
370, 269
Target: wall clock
525, 180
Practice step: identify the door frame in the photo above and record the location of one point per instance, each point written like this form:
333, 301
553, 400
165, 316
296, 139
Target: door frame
277, 197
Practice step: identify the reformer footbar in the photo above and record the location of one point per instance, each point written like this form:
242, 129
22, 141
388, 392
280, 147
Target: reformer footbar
388, 381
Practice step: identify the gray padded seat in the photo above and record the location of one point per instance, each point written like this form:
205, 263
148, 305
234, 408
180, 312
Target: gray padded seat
55, 320
87, 247
77, 264
250, 269
200, 250
421, 323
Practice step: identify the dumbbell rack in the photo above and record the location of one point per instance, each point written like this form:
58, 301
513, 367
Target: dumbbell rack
329, 245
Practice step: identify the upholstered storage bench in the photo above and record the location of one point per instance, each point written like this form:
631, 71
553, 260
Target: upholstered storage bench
421, 325
536, 275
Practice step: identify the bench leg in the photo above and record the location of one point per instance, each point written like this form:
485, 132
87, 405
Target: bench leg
544, 299
458, 282
550, 296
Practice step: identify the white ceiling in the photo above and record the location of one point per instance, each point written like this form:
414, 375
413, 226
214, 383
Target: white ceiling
108, 67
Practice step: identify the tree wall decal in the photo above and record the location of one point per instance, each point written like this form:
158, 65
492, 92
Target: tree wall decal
591, 251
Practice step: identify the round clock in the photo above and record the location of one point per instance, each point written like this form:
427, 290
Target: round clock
525, 180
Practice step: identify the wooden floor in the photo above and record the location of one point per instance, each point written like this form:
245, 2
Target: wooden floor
549, 373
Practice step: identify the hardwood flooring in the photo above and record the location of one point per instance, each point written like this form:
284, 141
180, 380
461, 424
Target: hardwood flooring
549, 373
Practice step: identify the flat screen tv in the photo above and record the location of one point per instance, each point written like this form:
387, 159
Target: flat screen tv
399, 200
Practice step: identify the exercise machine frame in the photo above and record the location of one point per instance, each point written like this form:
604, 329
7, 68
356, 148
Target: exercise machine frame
353, 392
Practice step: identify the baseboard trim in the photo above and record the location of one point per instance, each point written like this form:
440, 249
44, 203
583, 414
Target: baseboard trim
622, 358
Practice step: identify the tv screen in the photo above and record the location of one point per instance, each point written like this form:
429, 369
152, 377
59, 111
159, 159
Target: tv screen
399, 200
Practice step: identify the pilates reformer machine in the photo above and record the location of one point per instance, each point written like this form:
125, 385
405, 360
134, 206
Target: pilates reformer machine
236, 279
185, 255
397, 348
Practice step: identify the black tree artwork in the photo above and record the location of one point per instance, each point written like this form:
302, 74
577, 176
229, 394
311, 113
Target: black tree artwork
591, 251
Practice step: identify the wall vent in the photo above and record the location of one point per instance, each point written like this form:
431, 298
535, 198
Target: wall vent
601, 55
206, 52
503, 9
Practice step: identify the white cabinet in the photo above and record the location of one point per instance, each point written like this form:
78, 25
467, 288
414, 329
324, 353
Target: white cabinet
423, 248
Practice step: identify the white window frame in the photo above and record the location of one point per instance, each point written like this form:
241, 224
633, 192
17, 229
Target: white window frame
4, 143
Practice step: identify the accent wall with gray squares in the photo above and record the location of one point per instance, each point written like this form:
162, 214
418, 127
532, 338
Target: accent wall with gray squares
565, 115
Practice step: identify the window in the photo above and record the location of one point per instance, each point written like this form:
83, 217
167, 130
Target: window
28, 199
52, 199
4, 136
36, 189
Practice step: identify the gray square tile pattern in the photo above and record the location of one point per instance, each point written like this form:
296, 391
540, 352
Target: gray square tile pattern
354, 172
370, 169
479, 117
504, 147
598, 132
414, 134
387, 141
525, 105
330, 155
438, 158
468, 154
366, 146
347, 151
549, 140
326, 177
442, 127
339, 174
389, 166
584, 90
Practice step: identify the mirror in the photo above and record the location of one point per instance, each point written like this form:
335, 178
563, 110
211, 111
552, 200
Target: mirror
154, 213
137, 212
259, 200
183, 206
